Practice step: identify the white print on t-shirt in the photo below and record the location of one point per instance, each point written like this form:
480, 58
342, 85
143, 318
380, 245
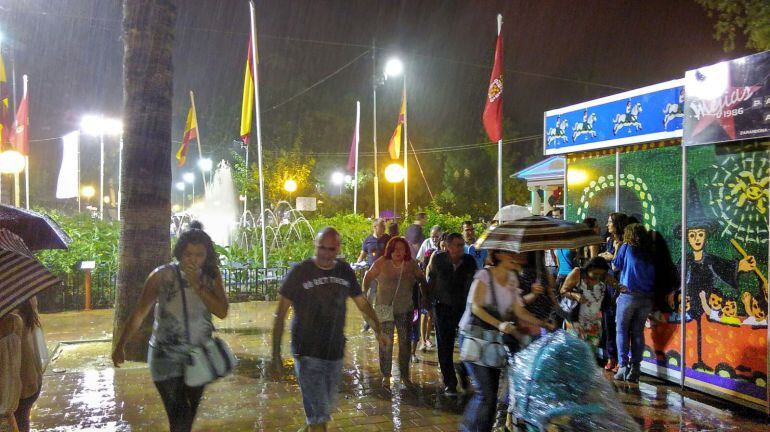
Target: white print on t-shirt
325, 280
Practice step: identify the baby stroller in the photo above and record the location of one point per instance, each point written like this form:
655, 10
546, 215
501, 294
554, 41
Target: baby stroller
556, 386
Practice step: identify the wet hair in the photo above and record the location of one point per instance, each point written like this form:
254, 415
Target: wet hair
596, 263
196, 224
452, 236
636, 235
421, 215
199, 237
29, 315
436, 228
391, 247
633, 219
619, 220
393, 229
467, 223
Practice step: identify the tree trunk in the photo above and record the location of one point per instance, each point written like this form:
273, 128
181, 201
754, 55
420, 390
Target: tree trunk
148, 35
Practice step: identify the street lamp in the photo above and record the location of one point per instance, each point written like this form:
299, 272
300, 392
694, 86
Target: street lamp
394, 173
180, 187
338, 179
205, 165
98, 125
290, 186
12, 162
190, 178
393, 68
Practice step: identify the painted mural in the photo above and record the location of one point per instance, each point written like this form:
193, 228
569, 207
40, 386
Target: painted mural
726, 257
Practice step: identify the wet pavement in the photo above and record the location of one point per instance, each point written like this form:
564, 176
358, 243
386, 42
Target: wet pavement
82, 391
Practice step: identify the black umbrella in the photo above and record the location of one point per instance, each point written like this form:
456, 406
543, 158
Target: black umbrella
37, 230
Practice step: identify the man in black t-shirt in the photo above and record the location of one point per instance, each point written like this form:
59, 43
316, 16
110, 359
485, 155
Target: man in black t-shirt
318, 290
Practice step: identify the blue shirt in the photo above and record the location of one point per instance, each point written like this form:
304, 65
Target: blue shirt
374, 247
479, 255
566, 259
637, 271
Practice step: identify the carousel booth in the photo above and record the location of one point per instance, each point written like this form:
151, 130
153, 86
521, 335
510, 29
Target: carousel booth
689, 159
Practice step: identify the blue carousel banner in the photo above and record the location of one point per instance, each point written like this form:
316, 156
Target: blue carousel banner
650, 113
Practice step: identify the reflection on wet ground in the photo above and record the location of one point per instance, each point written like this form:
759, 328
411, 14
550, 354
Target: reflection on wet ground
82, 391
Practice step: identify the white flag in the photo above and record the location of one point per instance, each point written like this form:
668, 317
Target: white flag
67, 187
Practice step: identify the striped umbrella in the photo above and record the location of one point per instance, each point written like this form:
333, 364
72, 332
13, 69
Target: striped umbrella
21, 274
537, 233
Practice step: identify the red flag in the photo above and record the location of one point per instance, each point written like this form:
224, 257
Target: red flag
493, 110
352, 155
20, 137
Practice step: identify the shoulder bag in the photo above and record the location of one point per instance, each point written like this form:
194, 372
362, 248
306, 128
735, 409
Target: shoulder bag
481, 345
569, 308
209, 361
384, 312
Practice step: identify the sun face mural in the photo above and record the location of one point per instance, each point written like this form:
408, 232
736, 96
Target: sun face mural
739, 196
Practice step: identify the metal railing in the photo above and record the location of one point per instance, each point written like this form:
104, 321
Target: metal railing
242, 283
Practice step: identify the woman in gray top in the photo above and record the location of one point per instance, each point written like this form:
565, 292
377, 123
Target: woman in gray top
396, 274
190, 289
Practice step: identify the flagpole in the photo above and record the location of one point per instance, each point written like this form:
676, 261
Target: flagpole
198, 139
26, 156
500, 142
374, 134
355, 174
406, 151
253, 14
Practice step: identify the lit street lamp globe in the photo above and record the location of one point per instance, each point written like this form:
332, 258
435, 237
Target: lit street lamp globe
338, 178
290, 186
188, 177
393, 67
11, 162
348, 178
180, 186
88, 192
394, 173
205, 164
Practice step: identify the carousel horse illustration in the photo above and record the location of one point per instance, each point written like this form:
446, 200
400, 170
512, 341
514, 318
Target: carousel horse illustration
585, 127
558, 132
629, 118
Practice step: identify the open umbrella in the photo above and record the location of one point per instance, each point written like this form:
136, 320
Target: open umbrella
511, 212
37, 230
21, 274
535, 233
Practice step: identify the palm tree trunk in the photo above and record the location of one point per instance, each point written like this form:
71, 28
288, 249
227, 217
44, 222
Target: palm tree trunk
148, 35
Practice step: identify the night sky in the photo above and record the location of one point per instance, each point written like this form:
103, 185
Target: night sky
556, 53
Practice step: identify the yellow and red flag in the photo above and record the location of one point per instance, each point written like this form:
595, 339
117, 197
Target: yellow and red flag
247, 105
190, 133
5, 112
394, 145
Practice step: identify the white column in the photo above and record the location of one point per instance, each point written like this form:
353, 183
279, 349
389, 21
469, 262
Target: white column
535, 199
547, 192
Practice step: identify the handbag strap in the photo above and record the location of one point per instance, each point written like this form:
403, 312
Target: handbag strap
492, 289
393, 300
184, 303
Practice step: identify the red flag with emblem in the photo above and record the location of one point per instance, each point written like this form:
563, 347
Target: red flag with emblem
493, 110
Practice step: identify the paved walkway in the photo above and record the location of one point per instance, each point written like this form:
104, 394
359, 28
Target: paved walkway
82, 391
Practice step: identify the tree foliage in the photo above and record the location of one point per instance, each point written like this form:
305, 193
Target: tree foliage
749, 17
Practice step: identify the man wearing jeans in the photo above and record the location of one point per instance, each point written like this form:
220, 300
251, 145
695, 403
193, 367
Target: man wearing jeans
317, 289
450, 275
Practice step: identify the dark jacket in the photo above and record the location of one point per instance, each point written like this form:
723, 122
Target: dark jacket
450, 286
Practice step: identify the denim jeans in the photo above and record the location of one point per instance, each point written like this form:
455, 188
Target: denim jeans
318, 382
402, 322
482, 408
632, 312
447, 320
608, 332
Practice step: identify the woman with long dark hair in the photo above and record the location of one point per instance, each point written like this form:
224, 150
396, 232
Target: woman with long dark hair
616, 225
396, 274
184, 294
637, 278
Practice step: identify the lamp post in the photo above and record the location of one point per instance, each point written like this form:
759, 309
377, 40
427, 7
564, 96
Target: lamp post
12, 162
393, 68
180, 186
394, 173
205, 165
190, 178
88, 192
98, 125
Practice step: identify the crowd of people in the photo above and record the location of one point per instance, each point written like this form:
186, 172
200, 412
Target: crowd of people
488, 303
